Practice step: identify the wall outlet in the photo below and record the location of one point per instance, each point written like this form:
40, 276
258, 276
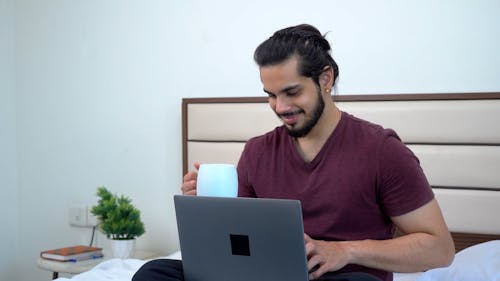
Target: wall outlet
80, 215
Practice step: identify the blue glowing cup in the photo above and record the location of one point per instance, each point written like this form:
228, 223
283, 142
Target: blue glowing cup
218, 180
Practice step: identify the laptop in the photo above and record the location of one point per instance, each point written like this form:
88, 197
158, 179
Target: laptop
244, 239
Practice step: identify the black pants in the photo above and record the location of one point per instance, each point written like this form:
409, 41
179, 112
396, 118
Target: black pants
171, 270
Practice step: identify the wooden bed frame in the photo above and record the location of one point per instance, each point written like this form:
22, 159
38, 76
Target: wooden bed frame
450, 133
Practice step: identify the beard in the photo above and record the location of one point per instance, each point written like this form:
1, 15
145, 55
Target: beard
310, 120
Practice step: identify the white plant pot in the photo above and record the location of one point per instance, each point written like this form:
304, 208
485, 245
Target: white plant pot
123, 249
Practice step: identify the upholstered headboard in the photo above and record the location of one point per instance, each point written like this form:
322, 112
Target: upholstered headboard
455, 136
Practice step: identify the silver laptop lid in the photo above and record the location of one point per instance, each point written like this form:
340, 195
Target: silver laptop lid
244, 239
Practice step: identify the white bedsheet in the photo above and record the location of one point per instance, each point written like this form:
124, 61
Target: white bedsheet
110, 270
115, 270
123, 270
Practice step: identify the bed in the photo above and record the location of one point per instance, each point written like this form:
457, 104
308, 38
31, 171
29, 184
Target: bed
455, 136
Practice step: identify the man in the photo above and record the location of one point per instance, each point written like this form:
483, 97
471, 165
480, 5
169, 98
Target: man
356, 181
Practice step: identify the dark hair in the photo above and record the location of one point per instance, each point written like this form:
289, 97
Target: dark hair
305, 41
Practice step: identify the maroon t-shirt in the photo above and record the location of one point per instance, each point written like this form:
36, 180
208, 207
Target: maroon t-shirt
361, 177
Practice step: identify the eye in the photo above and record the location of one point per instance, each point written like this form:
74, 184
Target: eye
271, 96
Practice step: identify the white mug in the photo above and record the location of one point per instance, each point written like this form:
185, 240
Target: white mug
219, 180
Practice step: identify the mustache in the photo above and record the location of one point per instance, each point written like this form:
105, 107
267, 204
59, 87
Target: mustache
290, 113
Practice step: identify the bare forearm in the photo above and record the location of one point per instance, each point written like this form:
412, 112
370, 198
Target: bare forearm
408, 253
427, 244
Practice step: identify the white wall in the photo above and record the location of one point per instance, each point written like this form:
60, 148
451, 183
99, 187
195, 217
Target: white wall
99, 87
8, 191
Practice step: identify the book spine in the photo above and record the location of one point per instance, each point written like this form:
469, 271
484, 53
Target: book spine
93, 257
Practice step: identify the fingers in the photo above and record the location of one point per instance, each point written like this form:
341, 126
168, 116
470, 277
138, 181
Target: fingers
313, 263
189, 187
310, 245
197, 165
310, 249
189, 181
317, 258
189, 184
190, 176
190, 192
325, 256
318, 272
316, 264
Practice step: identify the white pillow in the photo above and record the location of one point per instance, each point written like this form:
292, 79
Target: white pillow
480, 262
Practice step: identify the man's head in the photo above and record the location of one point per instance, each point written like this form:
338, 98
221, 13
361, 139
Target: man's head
303, 41
297, 72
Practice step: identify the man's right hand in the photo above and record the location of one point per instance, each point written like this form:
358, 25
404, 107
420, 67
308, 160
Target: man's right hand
189, 181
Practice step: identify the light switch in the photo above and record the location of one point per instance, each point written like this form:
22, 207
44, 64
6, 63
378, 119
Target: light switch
77, 215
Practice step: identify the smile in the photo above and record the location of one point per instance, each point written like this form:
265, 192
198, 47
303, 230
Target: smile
290, 118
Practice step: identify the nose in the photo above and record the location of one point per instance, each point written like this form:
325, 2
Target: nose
282, 104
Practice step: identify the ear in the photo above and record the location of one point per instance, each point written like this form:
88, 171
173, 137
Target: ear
326, 78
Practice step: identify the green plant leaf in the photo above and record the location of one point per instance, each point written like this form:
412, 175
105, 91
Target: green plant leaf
118, 218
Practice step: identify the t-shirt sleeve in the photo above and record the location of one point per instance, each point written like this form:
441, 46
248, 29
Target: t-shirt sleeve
402, 185
245, 189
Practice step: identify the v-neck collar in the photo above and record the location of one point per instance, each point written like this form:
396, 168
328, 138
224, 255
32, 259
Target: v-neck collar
317, 159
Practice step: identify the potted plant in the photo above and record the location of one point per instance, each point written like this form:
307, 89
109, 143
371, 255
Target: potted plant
119, 220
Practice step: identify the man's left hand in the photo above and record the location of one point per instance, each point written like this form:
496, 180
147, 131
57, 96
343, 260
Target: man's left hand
324, 256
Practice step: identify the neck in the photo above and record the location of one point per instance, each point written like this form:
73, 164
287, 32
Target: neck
310, 145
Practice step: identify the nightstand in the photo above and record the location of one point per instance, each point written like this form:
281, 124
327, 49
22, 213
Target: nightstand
85, 265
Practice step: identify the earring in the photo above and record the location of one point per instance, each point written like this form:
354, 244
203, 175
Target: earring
327, 90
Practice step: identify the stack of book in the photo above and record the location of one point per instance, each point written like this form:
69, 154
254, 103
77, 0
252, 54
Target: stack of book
72, 254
